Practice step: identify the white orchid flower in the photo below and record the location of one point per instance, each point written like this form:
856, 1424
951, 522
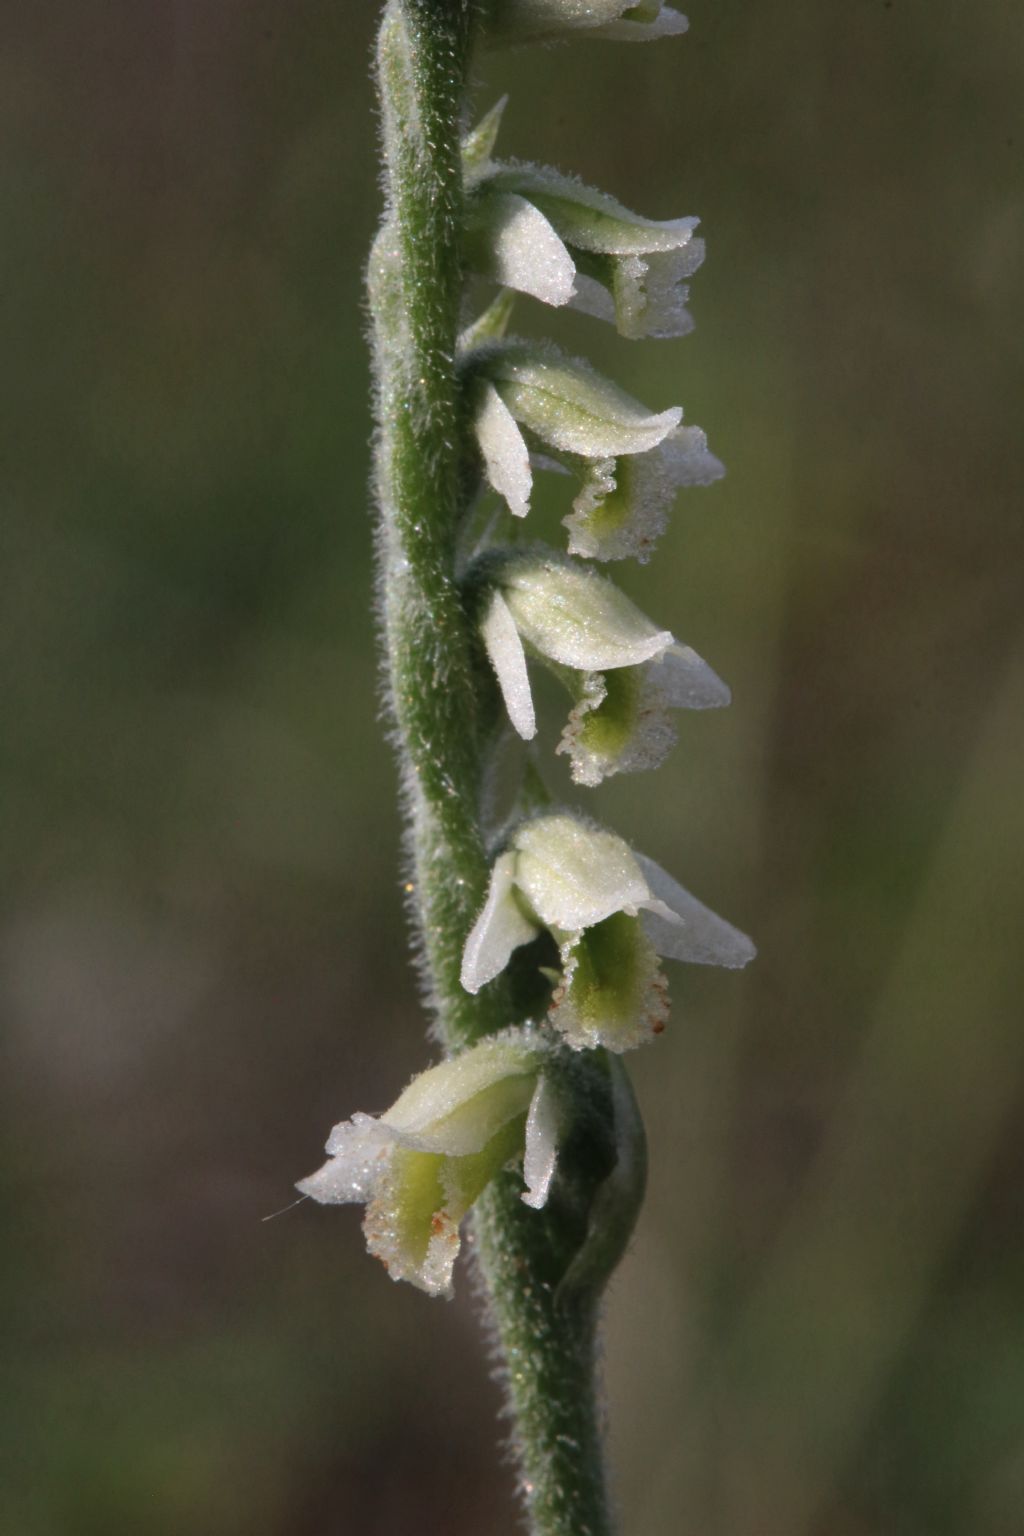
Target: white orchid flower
535, 408
623, 506
612, 913
623, 673
420, 1166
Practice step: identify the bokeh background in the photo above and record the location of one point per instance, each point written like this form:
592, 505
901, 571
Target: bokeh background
820, 1328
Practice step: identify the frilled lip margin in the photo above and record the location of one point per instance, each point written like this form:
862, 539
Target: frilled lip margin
612, 912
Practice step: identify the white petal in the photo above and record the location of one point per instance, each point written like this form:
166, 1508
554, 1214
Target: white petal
573, 616
505, 649
699, 935
500, 928
684, 681
574, 875
358, 1150
520, 248
572, 407
543, 1128
687, 459
504, 451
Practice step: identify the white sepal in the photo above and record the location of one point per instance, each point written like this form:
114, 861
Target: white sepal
588, 219
508, 658
576, 618
680, 679
612, 912
697, 934
504, 451
501, 928
571, 407
623, 504
517, 246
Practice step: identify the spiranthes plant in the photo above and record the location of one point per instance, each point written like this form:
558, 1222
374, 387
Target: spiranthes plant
539, 933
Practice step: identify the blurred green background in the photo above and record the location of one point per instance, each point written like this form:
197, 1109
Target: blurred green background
820, 1328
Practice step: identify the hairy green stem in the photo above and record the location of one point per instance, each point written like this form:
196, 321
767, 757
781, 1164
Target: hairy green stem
441, 704
415, 285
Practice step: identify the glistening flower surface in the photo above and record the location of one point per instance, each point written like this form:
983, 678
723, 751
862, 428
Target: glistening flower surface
548, 235
612, 913
622, 672
463, 410
532, 405
420, 1166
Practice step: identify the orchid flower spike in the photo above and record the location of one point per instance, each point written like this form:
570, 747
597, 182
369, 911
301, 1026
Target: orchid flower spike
627, 21
420, 1166
622, 672
630, 461
612, 912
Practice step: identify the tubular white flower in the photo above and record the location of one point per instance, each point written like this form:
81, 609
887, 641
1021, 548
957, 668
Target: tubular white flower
420, 1166
630, 21
580, 247
612, 913
535, 408
622, 672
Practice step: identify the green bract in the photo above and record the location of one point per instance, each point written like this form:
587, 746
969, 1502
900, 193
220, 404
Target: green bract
421, 1165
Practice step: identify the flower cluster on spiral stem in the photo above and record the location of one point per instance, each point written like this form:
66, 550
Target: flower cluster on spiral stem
561, 898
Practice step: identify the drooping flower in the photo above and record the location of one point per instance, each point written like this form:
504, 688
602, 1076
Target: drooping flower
530, 400
627, 21
546, 234
622, 672
420, 1166
623, 506
612, 913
